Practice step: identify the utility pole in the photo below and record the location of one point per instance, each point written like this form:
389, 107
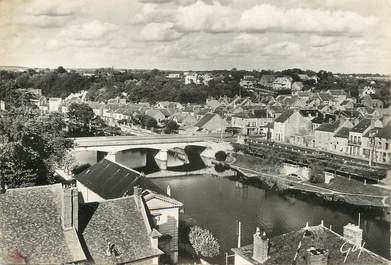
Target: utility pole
239, 233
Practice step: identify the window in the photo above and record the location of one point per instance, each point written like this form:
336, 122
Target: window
387, 146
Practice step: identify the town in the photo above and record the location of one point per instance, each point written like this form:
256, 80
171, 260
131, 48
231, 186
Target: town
195, 132
311, 137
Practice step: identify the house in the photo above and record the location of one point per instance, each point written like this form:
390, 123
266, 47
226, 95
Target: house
367, 90
267, 80
325, 135
184, 119
311, 245
297, 86
340, 140
282, 83
2, 105
251, 122
353, 115
345, 105
158, 114
213, 103
376, 145
48, 225
338, 94
326, 98
368, 101
174, 75
248, 81
290, 124
54, 104
211, 122
110, 180
356, 134
303, 77
192, 78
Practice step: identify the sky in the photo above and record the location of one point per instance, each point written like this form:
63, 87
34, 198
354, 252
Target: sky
336, 35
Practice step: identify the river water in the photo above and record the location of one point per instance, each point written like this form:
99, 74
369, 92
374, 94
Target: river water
218, 203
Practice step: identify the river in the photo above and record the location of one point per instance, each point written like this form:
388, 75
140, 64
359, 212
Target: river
218, 203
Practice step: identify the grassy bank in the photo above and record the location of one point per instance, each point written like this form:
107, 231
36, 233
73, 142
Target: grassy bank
339, 190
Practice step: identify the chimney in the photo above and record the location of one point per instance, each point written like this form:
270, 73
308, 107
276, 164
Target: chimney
137, 195
260, 246
353, 233
168, 190
154, 236
317, 256
70, 207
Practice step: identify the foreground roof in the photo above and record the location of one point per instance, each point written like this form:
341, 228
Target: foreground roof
119, 222
31, 230
111, 180
283, 248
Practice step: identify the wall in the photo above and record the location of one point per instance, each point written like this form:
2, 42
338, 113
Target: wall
323, 140
87, 194
133, 158
168, 224
85, 156
241, 261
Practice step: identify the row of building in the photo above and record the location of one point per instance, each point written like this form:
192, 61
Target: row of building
331, 120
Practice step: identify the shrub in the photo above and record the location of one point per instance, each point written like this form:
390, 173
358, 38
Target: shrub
221, 156
80, 168
203, 242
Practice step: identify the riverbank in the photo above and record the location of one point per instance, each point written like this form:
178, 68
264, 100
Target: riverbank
340, 190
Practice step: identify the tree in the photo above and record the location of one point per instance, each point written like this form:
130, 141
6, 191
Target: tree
80, 119
33, 146
221, 156
61, 70
171, 127
203, 242
317, 173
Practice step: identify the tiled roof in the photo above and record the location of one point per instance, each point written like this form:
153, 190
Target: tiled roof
310, 112
111, 180
337, 92
165, 200
205, 119
325, 97
385, 132
327, 127
342, 133
119, 222
268, 78
283, 248
361, 126
284, 116
30, 227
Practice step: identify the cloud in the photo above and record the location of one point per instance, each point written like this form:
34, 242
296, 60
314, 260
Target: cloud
46, 14
283, 49
203, 17
218, 18
244, 44
320, 41
92, 30
52, 8
261, 18
159, 32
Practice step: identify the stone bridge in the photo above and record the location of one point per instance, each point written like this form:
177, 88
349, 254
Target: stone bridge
169, 150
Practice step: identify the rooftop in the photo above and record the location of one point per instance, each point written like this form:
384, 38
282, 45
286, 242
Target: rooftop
31, 231
362, 126
283, 248
111, 180
119, 222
